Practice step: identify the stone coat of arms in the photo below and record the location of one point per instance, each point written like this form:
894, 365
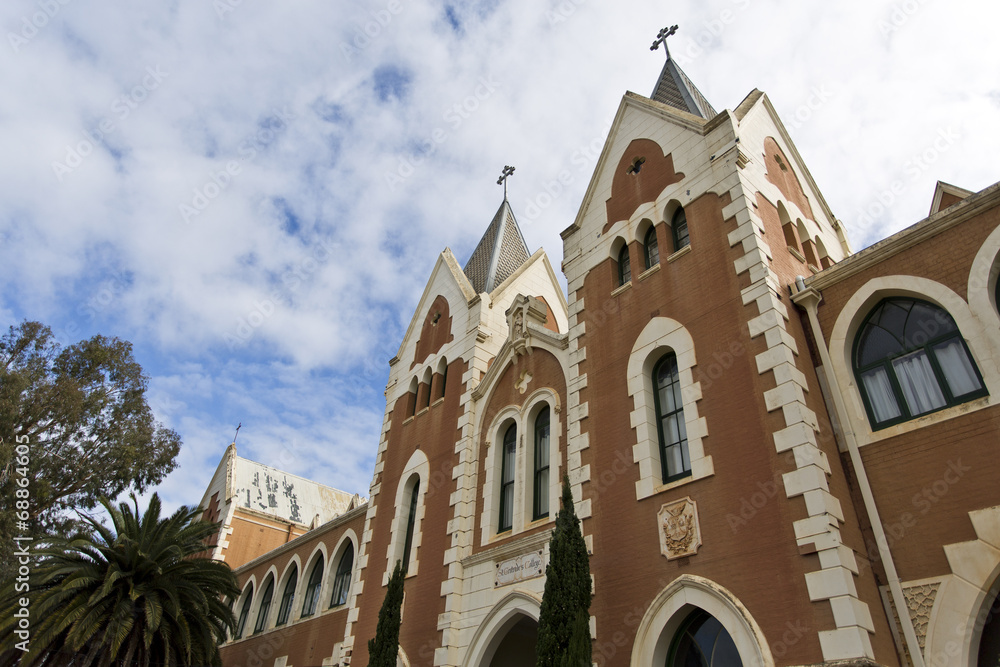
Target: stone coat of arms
680, 534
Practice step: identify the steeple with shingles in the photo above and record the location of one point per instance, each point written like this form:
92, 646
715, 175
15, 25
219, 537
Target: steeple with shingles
674, 88
500, 252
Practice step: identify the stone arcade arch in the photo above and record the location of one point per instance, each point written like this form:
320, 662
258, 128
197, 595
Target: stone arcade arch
668, 611
507, 636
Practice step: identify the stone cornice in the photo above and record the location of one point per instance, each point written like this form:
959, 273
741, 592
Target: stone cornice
907, 238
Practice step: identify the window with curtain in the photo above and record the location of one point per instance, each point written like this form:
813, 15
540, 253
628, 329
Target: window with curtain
265, 606
671, 429
311, 596
652, 248
241, 624
679, 230
540, 506
507, 453
288, 597
702, 641
910, 359
624, 270
342, 582
411, 520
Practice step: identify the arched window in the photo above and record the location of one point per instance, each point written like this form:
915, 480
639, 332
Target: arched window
541, 487
674, 457
410, 523
910, 359
652, 248
702, 641
311, 596
679, 230
444, 378
624, 270
265, 606
342, 582
508, 454
288, 597
241, 624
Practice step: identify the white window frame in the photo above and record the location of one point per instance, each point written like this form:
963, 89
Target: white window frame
524, 418
417, 466
662, 335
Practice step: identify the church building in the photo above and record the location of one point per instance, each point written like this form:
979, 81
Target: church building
782, 452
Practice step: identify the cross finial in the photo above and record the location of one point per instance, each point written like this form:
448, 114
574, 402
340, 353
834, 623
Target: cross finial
238, 427
661, 38
507, 171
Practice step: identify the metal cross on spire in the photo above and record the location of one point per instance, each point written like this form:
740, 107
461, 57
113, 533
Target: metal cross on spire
507, 171
661, 38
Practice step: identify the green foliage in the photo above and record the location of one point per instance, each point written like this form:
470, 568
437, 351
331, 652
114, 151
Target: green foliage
141, 594
82, 411
564, 620
383, 649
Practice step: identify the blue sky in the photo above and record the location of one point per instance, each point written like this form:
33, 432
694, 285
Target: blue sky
254, 195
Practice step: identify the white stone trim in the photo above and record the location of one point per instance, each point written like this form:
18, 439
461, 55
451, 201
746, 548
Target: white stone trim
659, 336
983, 277
849, 320
279, 591
679, 598
419, 466
300, 589
956, 622
349, 536
494, 627
276, 595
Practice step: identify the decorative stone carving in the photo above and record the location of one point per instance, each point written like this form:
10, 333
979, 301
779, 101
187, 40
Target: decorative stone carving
523, 380
919, 602
523, 310
680, 532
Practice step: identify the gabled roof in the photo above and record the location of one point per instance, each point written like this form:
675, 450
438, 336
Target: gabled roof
500, 252
675, 89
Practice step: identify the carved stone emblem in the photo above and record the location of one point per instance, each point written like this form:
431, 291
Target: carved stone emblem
680, 534
523, 310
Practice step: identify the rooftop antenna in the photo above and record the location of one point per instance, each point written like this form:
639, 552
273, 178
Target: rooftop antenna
661, 38
238, 426
507, 171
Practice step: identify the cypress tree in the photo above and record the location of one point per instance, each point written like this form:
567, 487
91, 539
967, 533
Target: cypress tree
383, 649
564, 620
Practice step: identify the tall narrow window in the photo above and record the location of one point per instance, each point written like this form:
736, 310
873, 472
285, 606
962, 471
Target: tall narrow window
508, 454
624, 270
241, 624
541, 486
410, 523
265, 606
679, 230
288, 597
311, 596
910, 359
444, 380
652, 248
674, 458
342, 582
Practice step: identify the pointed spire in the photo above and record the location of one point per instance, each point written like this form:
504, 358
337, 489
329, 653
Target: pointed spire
500, 252
674, 88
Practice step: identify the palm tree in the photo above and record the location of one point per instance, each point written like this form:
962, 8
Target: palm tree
141, 594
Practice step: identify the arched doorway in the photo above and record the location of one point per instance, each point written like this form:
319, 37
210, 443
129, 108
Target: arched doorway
989, 642
516, 648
